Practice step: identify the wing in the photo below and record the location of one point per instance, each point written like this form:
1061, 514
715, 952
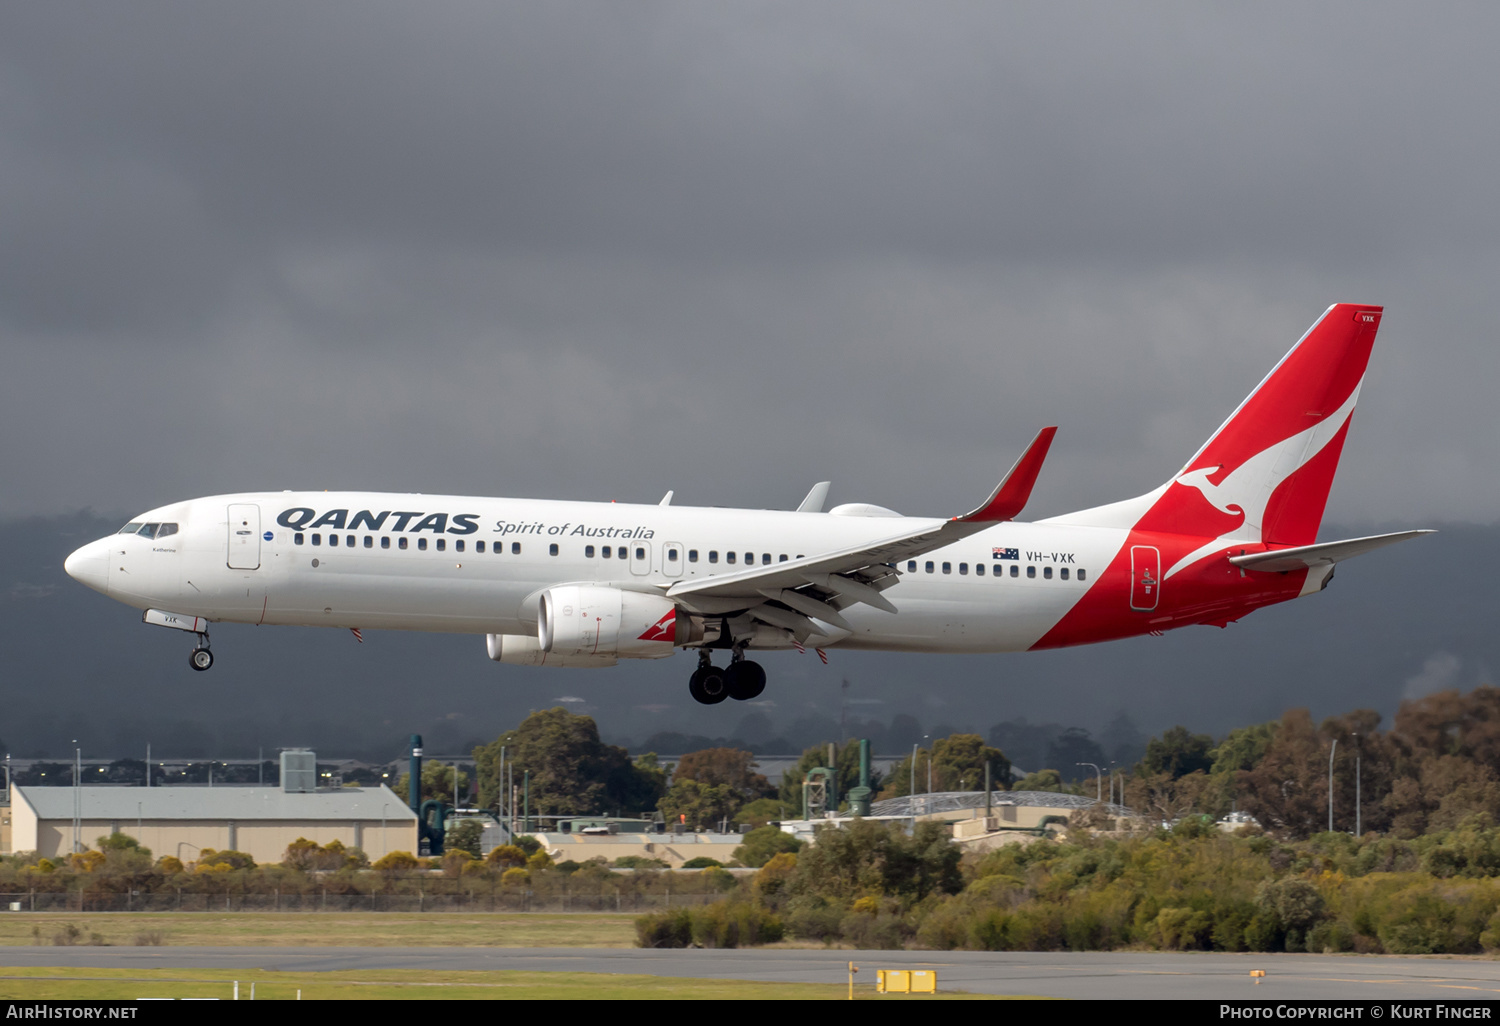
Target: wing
798, 593
1323, 554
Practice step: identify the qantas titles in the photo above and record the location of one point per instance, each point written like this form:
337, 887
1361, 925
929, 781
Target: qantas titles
300, 518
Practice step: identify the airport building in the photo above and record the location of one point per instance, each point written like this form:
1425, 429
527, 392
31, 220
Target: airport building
183, 821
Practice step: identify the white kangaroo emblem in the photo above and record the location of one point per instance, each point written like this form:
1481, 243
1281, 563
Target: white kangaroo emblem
1248, 488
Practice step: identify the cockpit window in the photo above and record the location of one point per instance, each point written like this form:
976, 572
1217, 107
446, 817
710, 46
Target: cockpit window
148, 530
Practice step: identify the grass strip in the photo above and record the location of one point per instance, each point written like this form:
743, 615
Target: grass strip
74, 984
322, 929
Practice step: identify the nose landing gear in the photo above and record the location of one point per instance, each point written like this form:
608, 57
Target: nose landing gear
201, 657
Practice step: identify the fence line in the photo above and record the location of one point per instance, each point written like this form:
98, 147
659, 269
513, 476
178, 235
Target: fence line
512, 901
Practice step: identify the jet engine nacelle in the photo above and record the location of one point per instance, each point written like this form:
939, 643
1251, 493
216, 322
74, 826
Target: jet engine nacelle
592, 621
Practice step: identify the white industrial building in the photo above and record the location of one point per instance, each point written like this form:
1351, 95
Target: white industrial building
182, 821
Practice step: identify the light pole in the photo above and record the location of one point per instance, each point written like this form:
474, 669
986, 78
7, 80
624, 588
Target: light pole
1331, 749
1357, 824
77, 796
928, 737
1098, 781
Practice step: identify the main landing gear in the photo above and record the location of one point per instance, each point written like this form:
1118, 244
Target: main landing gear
201, 658
741, 680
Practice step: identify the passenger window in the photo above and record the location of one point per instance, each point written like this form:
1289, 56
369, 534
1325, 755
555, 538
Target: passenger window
588, 552
782, 559
369, 542
1031, 571
401, 544
442, 544
978, 569
318, 539
947, 568
713, 555
479, 546
552, 549
749, 559
458, 546
620, 552
692, 555
1015, 571
930, 566
729, 557
515, 548
422, 544
963, 569
297, 538
1083, 575
333, 540
911, 566
765, 557
639, 552
672, 554
385, 542
1047, 572
1063, 573
349, 540
166, 529
608, 552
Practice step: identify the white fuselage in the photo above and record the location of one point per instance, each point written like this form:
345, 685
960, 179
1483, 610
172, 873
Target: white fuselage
479, 565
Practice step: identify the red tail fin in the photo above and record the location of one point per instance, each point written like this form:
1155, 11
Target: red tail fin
1266, 473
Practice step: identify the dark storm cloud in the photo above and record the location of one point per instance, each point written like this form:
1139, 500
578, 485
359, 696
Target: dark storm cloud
598, 250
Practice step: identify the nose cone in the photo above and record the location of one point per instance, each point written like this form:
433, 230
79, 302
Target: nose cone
90, 565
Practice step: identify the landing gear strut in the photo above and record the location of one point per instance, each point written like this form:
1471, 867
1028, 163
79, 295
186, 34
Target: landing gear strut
201, 658
707, 684
741, 680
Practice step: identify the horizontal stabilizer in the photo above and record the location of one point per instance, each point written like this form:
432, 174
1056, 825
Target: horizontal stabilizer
1324, 554
1011, 494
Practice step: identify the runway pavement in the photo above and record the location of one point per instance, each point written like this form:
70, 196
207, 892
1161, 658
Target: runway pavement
1087, 975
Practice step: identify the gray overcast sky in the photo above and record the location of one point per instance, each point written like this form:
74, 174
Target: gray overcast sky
599, 250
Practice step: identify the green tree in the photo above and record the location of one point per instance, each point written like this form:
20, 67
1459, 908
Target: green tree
882, 859
464, 836
437, 782
762, 843
731, 767
1177, 753
571, 770
957, 763
694, 804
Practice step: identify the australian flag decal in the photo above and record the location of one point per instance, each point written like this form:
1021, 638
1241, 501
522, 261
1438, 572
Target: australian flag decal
1007, 553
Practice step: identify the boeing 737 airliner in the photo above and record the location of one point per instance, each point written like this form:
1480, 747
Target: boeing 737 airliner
585, 584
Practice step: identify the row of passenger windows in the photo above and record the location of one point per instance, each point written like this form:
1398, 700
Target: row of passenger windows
148, 530
441, 544
672, 554
1015, 570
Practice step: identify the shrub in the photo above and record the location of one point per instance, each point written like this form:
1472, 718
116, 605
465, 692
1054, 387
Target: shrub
670, 929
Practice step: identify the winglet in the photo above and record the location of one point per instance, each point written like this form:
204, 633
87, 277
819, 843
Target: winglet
1011, 494
815, 498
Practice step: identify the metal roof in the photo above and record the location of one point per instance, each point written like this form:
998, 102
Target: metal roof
241, 804
954, 801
